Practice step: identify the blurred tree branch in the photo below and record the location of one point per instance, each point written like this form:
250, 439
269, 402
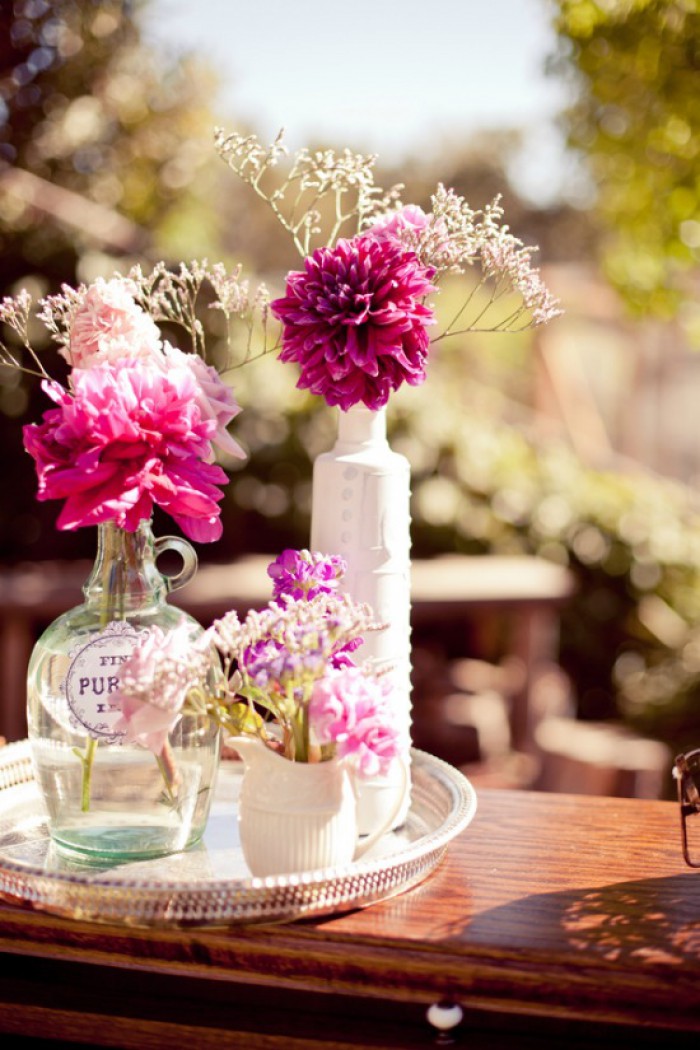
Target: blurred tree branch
103, 226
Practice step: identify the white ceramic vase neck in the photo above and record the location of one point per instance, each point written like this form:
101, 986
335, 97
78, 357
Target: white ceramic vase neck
361, 428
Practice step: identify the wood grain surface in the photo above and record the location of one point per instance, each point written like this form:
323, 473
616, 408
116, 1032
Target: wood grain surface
553, 920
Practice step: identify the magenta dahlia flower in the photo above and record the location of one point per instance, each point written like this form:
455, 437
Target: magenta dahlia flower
355, 322
126, 438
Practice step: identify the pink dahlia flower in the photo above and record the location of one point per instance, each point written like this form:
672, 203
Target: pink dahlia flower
355, 322
215, 399
357, 714
127, 438
109, 326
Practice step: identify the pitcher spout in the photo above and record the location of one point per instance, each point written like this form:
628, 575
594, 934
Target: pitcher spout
253, 752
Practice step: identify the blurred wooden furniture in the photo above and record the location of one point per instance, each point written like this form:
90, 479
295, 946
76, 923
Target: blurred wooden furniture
525, 593
600, 758
528, 592
553, 920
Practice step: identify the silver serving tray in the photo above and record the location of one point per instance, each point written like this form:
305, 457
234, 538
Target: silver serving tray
210, 884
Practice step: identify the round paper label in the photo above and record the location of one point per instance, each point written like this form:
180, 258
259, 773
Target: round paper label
92, 679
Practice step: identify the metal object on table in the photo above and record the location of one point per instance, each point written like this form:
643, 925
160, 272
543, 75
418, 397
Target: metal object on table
686, 772
210, 885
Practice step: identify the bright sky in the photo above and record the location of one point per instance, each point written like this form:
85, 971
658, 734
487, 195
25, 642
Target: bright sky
389, 76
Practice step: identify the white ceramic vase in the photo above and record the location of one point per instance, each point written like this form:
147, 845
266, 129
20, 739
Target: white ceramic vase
361, 510
296, 816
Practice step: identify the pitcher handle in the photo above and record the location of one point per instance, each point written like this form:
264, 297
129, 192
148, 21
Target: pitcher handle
374, 836
189, 560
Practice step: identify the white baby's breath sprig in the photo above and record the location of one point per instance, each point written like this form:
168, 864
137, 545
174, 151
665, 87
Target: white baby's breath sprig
457, 239
56, 312
332, 616
322, 195
505, 258
232, 635
15, 312
173, 297
251, 309
166, 296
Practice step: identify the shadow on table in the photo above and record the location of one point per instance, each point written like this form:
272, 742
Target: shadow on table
646, 921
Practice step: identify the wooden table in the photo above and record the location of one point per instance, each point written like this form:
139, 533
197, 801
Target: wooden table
527, 591
554, 920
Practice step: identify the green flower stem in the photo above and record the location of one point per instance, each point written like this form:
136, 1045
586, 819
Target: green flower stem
299, 725
112, 600
86, 760
168, 769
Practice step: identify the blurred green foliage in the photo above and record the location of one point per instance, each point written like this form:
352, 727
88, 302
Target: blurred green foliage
633, 66
484, 480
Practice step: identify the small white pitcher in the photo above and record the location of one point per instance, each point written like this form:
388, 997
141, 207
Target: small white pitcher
297, 816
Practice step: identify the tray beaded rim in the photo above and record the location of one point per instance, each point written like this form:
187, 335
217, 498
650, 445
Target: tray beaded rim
221, 901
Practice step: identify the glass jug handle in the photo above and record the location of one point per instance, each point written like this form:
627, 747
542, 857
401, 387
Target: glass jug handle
189, 560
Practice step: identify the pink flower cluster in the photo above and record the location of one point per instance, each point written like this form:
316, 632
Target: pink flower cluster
356, 714
136, 427
153, 685
401, 226
108, 326
284, 658
355, 321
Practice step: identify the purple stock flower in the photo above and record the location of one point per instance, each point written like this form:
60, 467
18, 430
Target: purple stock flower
355, 321
304, 574
276, 667
269, 665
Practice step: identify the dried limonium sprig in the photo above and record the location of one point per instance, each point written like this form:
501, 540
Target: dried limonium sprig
165, 296
454, 238
15, 312
322, 196
322, 193
172, 297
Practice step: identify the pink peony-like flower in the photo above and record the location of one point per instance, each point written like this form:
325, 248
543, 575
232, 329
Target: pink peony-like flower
127, 438
109, 326
215, 399
409, 218
355, 322
304, 574
357, 714
153, 685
